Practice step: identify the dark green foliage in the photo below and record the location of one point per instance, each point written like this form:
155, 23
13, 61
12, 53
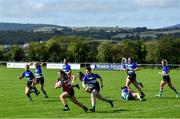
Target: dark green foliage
17, 53
82, 49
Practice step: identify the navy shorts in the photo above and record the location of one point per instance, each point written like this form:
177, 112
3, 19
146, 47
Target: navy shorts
130, 97
40, 80
29, 84
132, 77
167, 78
96, 87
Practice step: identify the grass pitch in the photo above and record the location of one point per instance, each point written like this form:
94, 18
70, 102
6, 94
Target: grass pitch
13, 102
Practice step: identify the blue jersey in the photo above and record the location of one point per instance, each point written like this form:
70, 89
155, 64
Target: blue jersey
66, 68
130, 67
90, 78
38, 72
125, 93
165, 69
28, 75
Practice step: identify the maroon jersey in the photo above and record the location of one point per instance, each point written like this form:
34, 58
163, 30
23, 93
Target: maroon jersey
66, 84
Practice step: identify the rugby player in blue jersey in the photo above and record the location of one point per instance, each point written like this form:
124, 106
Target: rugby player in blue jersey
68, 91
123, 63
30, 82
40, 78
166, 79
128, 94
66, 67
92, 86
131, 67
67, 70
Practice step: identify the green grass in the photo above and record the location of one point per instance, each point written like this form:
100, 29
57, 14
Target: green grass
13, 102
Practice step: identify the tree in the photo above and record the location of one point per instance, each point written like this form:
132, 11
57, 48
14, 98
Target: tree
41, 52
105, 52
31, 52
17, 53
169, 49
166, 48
78, 52
152, 52
1, 53
141, 51
54, 50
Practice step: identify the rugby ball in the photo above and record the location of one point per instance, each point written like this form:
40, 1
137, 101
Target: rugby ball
58, 84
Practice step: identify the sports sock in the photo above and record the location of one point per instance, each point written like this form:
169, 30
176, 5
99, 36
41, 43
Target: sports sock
93, 100
160, 92
175, 90
142, 93
66, 106
44, 92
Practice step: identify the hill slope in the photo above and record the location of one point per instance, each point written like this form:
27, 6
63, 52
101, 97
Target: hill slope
26, 27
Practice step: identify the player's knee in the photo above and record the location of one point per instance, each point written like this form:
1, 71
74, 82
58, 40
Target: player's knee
61, 97
26, 92
94, 93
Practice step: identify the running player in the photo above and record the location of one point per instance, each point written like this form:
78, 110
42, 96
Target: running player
131, 67
128, 94
40, 78
90, 80
124, 63
30, 82
166, 79
67, 70
66, 67
68, 91
81, 76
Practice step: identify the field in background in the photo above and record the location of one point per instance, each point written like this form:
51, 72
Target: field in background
13, 102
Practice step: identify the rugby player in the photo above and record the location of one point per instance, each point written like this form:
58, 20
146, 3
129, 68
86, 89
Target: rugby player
128, 94
30, 82
68, 91
166, 79
131, 67
124, 63
90, 80
40, 78
67, 70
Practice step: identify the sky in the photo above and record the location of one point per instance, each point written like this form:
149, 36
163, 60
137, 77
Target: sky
104, 13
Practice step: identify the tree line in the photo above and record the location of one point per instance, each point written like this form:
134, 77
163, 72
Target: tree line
83, 49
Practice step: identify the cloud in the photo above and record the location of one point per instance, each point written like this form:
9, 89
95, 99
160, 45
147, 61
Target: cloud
20, 8
53, 7
82, 12
90, 5
158, 3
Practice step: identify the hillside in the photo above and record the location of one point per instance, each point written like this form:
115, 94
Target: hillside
15, 33
177, 26
25, 27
